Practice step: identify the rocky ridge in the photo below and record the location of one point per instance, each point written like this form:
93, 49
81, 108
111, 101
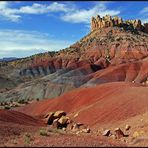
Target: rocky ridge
108, 21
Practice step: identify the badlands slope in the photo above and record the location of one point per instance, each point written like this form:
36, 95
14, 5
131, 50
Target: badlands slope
107, 102
101, 81
105, 55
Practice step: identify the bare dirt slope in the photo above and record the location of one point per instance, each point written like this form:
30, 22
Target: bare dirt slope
107, 102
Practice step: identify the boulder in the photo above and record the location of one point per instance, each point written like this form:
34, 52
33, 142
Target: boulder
55, 123
64, 129
119, 133
59, 114
75, 127
63, 120
80, 124
86, 130
48, 118
106, 132
69, 127
69, 121
127, 127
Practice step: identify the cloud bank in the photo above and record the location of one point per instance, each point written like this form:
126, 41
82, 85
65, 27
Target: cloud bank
70, 14
14, 41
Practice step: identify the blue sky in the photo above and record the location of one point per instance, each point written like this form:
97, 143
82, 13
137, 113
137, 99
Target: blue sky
27, 28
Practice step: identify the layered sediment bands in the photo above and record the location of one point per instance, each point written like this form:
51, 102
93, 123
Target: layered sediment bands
137, 72
18, 118
105, 55
100, 50
37, 71
51, 85
62, 81
93, 106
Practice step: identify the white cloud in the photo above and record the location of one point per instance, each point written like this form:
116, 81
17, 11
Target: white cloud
145, 10
12, 41
71, 12
56, 7
8, 13
3, 5
144, 20
40, 8
34, 9
144, 14
14, 14
84, 15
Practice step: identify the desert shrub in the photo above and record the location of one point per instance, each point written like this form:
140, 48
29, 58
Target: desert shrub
43, 132
7, 107
22, 101
27, 138
37, 99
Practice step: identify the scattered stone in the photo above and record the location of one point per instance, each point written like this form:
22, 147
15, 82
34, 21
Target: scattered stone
59, 114
48, 118
106, 132
69, 121
75, 127
113, 136
127, 127
80, 124
59, 120
119, 133
48, 114
55, 123
63, 120
64, 129
123, 140
70, 126
87, 130
78, 132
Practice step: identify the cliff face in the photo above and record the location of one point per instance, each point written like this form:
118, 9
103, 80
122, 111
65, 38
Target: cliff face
108, 21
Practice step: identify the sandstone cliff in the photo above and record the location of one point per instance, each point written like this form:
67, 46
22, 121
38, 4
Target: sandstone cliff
108, 21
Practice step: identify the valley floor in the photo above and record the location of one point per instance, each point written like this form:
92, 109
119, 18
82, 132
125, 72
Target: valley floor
19, 135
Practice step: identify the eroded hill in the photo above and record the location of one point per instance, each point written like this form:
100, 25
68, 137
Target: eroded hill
107, 54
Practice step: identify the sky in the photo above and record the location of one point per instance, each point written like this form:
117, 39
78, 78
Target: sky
27, 28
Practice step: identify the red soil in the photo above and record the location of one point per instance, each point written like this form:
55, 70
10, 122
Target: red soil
18, 118
136, 71
105, 103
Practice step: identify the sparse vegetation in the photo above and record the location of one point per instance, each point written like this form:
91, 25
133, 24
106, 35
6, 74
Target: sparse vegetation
27, 138
37, 99
22, 101
7, 107
43, 132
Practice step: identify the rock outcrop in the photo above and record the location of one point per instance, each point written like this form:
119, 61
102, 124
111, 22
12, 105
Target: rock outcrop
108, 21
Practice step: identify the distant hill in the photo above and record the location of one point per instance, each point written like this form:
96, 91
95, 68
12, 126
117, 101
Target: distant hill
8, 59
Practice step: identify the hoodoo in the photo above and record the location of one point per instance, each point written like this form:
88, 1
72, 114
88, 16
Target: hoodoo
108, 21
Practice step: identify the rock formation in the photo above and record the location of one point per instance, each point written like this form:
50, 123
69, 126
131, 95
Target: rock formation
108, 21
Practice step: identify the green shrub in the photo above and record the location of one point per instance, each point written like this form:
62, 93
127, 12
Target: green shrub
7, 107
43, 132
27, 138
37, 99
22, 101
